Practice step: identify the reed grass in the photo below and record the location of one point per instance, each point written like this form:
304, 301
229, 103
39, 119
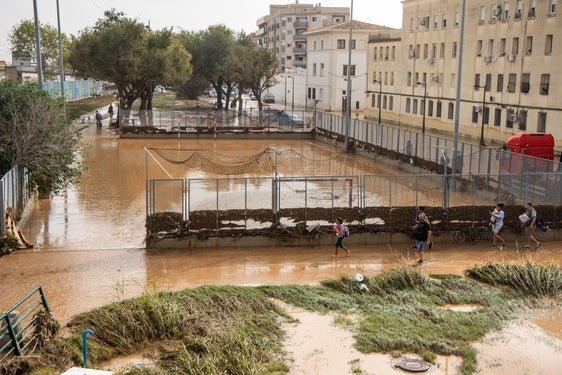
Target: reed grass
237, 330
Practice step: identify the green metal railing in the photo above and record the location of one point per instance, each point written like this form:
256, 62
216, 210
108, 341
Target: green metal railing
16, 325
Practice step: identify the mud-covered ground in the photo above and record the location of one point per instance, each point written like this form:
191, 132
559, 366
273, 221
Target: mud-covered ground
228, 223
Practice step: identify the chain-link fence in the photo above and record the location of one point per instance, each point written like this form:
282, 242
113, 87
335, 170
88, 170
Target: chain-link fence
419, 148
258, 203
195, 120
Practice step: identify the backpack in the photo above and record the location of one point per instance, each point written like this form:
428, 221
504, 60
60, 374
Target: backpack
540, 222
345, 231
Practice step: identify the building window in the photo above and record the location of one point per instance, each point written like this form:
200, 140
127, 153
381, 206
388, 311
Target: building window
341, 43
552, 9
444, 21
479, 48
393, 53
548, 45
438, 109
314, 69
519, 10
411, 24
505, 13
457, 18
415, 107
351, 72
407, 105
522, 118
511, 82
435, 22
409, 79
525, 82
390, 103
477, 82
451, 111
515, 46
454, 51
482, 14
541, 122
529, 46
502, 46
373, 101
497, 117
442, 51
499, 87
375, 53
384, 102
352, 43
488, 83
391, 78
508, 117
545, 83
475, 110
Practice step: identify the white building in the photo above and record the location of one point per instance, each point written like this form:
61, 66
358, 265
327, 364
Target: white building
328, 64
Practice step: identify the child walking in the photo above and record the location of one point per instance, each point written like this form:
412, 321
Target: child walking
339, 228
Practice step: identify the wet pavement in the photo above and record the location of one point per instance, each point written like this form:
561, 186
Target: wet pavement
89, 242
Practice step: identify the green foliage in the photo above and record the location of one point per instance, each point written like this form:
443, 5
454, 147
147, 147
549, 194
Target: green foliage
531, 278
34, 134
123, 51
22, 40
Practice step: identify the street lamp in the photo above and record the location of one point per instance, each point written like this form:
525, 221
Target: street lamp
292, 94
379, 103
483, 113
424, 83
348, 93
285, 95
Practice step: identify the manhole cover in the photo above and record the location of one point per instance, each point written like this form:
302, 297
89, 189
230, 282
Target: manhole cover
413, 365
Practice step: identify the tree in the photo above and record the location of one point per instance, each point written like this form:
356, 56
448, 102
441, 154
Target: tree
123, 51
22, 40
210, 50
34, 134
256, 69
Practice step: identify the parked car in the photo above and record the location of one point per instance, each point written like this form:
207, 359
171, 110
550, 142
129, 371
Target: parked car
287, 118
268, 98
253, 97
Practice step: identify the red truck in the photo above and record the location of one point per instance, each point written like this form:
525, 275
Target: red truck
528, 152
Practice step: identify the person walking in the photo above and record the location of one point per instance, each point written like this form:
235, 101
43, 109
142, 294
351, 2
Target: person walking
98, 119
530, 225
110, 111
496, 220
340, 230
418, 210
422, 234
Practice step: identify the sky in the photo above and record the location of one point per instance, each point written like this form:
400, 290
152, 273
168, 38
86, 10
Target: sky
75, 15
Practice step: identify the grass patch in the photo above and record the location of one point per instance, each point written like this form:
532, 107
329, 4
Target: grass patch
237, 330
528, 278
77, 108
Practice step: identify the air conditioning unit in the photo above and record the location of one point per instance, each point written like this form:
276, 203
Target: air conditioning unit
487, 59
511, 57
422, 21
513, 117
430, 60
412, 53
496, 11
435, 78
478, 109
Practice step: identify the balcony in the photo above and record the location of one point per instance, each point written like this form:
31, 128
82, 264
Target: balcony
300, 24
299, 63
299, 50
299, 37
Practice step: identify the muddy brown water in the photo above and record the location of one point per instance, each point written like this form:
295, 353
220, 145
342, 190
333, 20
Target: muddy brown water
89, 242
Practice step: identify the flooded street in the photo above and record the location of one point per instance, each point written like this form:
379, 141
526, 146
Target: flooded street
89, 243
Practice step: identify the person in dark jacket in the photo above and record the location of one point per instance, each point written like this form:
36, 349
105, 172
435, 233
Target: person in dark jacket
422, 234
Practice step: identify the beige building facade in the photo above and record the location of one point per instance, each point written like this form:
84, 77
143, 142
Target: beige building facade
282, 30
510, 78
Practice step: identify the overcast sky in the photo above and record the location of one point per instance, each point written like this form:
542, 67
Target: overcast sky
185, 14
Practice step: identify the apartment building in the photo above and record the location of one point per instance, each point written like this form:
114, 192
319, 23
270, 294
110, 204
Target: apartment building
328, 64
282, 31
510, 75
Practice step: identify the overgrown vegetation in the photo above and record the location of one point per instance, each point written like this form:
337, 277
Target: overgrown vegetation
77, 108
238, 330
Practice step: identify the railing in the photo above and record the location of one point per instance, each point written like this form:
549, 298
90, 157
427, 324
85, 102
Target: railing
14, 193
17, 324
